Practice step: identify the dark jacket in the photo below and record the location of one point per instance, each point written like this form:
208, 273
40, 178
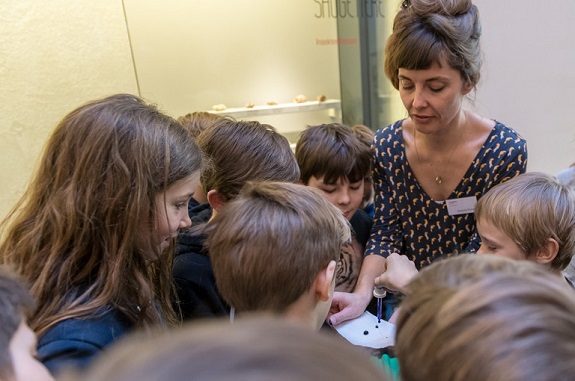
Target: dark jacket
195, 282
76, 342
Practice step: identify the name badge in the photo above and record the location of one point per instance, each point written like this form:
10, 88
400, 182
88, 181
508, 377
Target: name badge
456, 206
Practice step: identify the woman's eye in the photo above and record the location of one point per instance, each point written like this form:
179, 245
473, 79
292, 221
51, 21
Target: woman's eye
328, 190
181, 205
437, 89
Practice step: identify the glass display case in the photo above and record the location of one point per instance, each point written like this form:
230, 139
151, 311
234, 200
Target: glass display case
288, 64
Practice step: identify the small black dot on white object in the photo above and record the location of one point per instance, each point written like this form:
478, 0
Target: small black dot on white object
366, 332
377, 326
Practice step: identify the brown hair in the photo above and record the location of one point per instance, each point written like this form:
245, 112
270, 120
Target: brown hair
482, 317
332, 151
270, 235
81, 233
258, 348
531, 208
241, 151
15, 303
198, 121
431, 31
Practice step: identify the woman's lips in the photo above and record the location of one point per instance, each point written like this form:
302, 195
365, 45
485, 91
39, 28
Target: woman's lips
421, 118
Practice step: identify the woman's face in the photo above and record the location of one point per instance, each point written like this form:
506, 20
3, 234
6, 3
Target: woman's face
172, 210
432, 97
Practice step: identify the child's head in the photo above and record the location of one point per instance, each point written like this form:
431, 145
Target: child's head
241, 151
476, 317
110, 194
275, 247
333, 159
17, 341
254, 349
198, 121
366, 136
532, 217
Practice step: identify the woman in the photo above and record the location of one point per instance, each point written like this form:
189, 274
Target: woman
93, 234
431, 167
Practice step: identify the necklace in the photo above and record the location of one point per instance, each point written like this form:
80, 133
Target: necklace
438, 178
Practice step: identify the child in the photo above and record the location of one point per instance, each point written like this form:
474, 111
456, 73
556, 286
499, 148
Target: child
531, 216
474, 318
17, 341
199, 209
567, 177
237, 152
274, 249
94, 232
366, 136
259, 348
332, 159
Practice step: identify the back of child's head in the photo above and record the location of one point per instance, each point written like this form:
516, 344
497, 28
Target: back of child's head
241, 151
364, 134
483, 317
332, 151
15, 303
253, 349
198, 121
269, 244
530, 209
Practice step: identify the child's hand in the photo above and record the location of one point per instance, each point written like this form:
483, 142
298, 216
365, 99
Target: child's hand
346, 306
399, 271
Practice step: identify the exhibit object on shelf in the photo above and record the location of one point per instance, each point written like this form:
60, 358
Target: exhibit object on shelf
219, 107
300, 99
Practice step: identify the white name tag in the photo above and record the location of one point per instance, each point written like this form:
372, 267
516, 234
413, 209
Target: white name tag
463, 205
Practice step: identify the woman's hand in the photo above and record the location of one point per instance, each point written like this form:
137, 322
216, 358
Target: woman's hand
399, 271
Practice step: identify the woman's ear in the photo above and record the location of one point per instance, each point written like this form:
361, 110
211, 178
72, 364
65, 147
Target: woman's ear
548, 252
467, 87
216, 200
324, 281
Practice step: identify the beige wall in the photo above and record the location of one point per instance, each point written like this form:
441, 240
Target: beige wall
54, 55
529, 77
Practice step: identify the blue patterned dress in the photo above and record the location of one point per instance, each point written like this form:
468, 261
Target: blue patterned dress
408, 221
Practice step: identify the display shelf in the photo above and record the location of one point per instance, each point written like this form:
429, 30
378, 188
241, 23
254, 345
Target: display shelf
280, 108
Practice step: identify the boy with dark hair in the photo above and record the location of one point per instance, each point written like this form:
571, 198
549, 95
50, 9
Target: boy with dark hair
333, 160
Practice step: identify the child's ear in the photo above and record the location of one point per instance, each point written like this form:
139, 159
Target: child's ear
216, 200
548, 252
324, 280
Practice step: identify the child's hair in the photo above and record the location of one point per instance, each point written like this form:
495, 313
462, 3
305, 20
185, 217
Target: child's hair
241, 151
81, 233
332, 151
530, 209
271, 235
198, 121
252, 349
15, 303
364, 134
425, 32
483, 317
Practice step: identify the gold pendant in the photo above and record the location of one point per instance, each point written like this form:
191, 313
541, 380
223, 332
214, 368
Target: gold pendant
438, 180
